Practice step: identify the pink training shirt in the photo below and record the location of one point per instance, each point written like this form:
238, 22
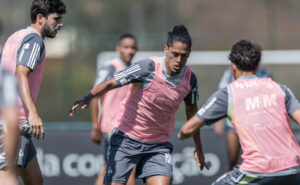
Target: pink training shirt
111, 101
262, 124
148, 114
9, 62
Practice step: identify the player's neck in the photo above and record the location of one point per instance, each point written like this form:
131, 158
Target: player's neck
38, 29
244, 73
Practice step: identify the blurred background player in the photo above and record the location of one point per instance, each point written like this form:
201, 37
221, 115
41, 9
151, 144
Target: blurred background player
233, 146
110, 102
143, 130
9, 127
24, 55
259, 109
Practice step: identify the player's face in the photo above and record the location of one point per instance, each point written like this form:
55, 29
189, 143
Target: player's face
52, 24
127, 49
176, 57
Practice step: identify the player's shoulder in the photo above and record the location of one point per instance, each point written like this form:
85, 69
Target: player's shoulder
284, 88
193, 76
193, 79
108, 67
147, 64
33, 38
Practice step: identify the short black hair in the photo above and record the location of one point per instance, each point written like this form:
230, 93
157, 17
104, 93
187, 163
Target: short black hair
179, 34
126, 35
46, 7
245, 55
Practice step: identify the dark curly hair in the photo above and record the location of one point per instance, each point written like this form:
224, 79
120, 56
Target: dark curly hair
127, 35
179, 34
46, 7
245, 55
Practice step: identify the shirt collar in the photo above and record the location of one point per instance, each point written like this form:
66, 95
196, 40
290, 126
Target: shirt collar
248, 77
33, 29
122, 63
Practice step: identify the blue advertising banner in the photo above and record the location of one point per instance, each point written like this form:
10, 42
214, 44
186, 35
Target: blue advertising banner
70, 157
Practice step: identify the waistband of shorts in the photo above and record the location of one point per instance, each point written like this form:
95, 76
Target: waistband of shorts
289, 171
119, 132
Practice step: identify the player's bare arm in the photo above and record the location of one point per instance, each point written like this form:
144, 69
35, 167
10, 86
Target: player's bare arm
35, 122
198, 154
96, 134
296, 116
190, 127
97, 91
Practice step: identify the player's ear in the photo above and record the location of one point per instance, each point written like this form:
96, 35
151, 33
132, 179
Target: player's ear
166, 49
40, 19
234, 69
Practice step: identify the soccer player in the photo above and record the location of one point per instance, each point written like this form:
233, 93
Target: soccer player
110, 102
24, 55
9, 129
146, 119
259, 109
233, 146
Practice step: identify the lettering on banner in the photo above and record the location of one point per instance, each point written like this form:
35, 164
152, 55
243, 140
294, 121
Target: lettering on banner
73, 165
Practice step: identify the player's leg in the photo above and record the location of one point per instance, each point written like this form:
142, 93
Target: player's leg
100, 179
131, 180
123, 157
31, 174
159, 180
233, 147
156, 166
30, 171
104, 148
7, 178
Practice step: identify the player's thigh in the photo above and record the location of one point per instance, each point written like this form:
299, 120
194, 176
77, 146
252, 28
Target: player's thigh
159, 180
7, 178
123, 157
31, 174
156, 164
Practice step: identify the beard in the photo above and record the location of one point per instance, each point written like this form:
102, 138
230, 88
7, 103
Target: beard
48, 32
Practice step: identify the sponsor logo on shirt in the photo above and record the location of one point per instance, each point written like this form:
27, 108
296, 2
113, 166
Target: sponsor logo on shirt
26, 46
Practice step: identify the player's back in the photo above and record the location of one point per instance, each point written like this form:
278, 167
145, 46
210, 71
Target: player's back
261, 120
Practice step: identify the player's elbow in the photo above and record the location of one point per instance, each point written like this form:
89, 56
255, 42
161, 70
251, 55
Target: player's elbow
184, 133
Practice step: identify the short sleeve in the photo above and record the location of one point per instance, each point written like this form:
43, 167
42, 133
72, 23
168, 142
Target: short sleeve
215, 108
138, 72
193, 97
104, 74
291, 103
31, 51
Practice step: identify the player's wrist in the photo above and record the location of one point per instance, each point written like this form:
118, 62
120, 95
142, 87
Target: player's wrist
88, 97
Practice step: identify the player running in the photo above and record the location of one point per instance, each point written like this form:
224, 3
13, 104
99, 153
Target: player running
110, 102
146, 121
24, 55
259, 109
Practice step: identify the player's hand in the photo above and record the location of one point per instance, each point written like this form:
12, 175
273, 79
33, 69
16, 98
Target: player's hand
36, 126
200, 160
96, 136
83, 103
